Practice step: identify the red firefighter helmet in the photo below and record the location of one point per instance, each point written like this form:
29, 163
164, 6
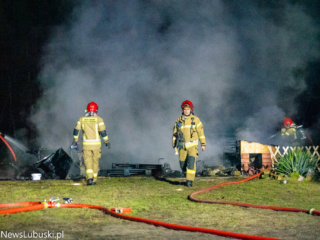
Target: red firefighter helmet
92, 107
287, 122
187, 103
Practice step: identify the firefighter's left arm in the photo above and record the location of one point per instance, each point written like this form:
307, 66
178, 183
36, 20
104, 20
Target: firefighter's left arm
200, 131
103, 132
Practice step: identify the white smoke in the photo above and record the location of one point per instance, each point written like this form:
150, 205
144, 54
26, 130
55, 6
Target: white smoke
138, 60
259, 126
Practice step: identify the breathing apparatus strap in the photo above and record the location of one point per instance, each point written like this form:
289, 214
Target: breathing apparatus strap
180, 138
89, 114
191, 128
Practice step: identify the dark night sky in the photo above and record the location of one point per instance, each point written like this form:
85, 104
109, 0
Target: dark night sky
25, 27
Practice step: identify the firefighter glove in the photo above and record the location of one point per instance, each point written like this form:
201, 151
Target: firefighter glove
108, 145
74, 145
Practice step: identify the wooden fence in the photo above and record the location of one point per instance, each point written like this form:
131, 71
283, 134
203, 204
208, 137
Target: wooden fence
282, 151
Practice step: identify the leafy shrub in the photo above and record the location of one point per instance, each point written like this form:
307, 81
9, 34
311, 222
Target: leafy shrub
294, 175
297, 161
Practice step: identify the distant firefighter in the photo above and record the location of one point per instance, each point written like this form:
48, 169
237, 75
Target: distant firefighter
288, 131
187, 132
293, 134
92, 128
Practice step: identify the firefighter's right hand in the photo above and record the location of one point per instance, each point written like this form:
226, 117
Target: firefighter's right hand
176, 152
74, 145
108, 145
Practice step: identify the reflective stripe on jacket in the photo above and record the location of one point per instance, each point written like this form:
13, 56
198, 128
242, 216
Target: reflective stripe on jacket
91, 127
289, 132
192, 130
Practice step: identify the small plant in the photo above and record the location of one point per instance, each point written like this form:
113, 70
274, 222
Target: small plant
296, 162
294, 175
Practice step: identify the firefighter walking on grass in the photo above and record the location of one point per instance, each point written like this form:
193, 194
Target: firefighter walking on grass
92, 127
187, 132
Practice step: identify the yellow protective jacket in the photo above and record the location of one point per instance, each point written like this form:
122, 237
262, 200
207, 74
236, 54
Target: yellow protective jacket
92, 127
192, 130
289, 133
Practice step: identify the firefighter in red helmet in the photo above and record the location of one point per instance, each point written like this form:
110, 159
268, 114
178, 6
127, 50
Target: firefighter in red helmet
187, 132
288, 132
294, 135
93, 128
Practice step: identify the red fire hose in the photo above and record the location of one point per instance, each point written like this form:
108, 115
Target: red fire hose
14, 156
37, 205
191, 197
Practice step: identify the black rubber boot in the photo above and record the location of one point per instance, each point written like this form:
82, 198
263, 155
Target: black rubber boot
90, 181
189, 183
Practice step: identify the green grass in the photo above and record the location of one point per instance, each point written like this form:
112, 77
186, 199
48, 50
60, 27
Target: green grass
162, 201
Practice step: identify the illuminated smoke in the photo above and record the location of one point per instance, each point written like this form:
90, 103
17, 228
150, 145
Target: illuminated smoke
16, 143
140, 59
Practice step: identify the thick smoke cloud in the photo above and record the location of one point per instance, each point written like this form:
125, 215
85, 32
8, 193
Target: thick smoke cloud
140, 59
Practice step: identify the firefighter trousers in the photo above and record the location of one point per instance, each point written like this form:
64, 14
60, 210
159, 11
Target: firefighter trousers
187, 160
91, 161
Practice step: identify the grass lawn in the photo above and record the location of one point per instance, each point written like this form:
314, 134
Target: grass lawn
165, 201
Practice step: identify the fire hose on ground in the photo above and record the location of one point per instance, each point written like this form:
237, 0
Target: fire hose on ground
117, 212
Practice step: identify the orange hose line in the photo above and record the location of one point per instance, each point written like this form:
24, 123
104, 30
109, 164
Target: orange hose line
22, 209
191, 197
131, 218
14, 156
38, 205
18, 204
